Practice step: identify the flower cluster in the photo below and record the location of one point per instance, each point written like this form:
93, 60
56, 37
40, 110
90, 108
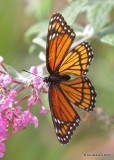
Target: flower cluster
12, 113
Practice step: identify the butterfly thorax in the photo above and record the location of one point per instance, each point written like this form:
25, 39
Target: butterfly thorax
56, 78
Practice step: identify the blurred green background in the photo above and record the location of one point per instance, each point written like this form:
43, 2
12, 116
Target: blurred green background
96, 132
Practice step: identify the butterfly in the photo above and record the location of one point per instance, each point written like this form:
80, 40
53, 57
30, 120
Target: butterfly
64, 92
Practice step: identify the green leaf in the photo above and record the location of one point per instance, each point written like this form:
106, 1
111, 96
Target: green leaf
39, 41
71, 12
109, 39
98, 15
37, 28
12, 71
106, 35
77, 27
43, 8
32, 48
105, 31
39, 8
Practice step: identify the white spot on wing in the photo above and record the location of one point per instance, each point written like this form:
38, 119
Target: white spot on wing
55, 120
62, 24
69, 30
58, 121
56, 130
72, 34
50, 37
58, 138
65, 28
51, 19
49, 27
53, 36
71, 128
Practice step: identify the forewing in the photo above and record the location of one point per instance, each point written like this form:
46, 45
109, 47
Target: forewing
64, 116
59, 39
77, 60
80, 92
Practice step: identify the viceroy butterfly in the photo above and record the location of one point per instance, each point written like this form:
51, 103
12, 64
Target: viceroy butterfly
64, 93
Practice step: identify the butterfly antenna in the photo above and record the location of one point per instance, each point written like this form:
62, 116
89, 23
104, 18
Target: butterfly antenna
32, 73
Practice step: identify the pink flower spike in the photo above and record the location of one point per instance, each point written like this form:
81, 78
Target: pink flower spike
2, 149
44, 110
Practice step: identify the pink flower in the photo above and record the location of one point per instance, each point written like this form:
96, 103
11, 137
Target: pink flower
23, 120
6, 103
3, 128
18, 110
2, 149
36, 71
12, 94
6, 80
33, 70
44, 110
3, 134
37, 82
31, 101
9, 114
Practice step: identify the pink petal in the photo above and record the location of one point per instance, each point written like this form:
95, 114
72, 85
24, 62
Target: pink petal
44, 110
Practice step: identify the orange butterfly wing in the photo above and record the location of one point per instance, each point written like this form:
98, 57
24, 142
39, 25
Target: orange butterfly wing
80, 92
77, 60
64, 116
59, 39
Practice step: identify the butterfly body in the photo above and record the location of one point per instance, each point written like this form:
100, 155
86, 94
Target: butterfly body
56, 78
66, 93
